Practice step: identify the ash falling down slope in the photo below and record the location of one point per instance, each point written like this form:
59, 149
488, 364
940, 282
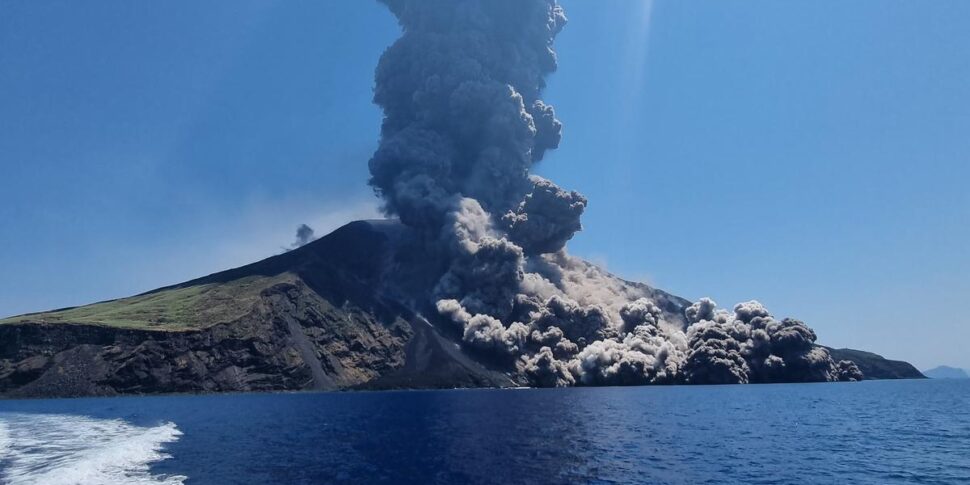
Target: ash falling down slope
463, 125
468, 284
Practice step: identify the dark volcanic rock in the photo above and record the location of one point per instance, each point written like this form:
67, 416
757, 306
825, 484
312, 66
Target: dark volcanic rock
875, 366
322, 326
291, 341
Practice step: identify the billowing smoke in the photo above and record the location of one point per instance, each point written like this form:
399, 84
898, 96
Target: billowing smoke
304, 236
849, 371
463, 122
463, 125
749, 345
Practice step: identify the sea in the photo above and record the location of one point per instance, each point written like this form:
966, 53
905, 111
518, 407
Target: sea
879, 432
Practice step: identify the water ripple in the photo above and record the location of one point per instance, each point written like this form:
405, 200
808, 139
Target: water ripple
870, 433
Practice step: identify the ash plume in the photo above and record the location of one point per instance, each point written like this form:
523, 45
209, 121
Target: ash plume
463, 125
304, 236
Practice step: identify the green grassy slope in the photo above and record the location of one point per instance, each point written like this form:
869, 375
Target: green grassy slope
172, 309
341, 266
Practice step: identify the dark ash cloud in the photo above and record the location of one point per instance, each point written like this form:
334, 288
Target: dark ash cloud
464, 124
304, 236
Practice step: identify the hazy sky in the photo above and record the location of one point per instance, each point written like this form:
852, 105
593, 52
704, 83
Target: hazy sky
813, 155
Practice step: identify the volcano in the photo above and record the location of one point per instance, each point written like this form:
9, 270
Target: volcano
330, 315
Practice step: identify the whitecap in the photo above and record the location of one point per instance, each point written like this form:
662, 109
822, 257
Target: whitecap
65, 450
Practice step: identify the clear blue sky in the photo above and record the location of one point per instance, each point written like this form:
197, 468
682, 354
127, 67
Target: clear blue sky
814, 155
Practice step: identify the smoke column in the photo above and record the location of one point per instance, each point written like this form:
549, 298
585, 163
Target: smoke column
304, 236
463, 124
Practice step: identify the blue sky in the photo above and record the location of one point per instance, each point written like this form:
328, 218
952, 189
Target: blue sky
813, 155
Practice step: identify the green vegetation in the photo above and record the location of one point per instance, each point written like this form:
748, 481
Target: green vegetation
184, 308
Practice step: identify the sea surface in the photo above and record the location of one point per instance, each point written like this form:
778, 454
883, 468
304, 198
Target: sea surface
871, 432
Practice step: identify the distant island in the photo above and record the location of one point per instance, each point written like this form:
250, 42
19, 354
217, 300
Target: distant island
946, 372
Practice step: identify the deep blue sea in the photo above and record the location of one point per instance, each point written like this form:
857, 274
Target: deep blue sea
870, 432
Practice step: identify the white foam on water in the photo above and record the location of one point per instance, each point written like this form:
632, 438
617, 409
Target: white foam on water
67, 450
4, 440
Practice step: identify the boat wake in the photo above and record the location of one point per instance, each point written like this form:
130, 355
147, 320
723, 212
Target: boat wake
64, 449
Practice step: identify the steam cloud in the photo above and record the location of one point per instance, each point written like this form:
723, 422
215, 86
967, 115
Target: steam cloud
463, 125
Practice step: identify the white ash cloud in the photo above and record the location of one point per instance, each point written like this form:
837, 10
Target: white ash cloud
543, 369
463, 126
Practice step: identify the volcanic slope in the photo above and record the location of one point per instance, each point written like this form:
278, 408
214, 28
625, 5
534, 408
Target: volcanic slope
329, 315
309, 319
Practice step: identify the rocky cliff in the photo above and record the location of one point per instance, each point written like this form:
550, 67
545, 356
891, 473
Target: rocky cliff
875, 366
